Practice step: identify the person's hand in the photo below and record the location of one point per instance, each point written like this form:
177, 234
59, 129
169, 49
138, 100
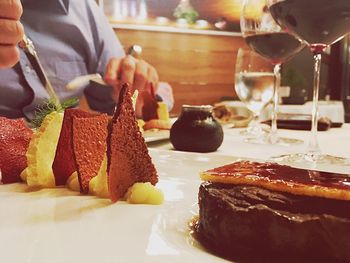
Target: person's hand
11, 32
138, 73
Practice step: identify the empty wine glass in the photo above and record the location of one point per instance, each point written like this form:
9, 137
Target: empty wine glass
320, 23
254, 85
268, 39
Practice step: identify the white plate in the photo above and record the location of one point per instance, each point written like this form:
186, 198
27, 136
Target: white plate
57, 225
155, 136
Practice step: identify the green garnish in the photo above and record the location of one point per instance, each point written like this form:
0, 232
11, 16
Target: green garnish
50, 106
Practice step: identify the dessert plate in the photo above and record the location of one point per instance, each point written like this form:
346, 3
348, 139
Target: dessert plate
156, 135
58, 225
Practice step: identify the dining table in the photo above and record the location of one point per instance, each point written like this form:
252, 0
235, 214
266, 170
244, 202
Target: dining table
334, 141
59, 225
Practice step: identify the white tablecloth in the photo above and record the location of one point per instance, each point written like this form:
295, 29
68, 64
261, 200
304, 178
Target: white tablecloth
335, 141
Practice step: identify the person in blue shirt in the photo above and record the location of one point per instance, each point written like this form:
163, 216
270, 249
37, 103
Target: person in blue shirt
72, 38
11, 32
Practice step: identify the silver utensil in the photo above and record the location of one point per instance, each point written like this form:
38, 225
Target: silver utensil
81, 81
29, 49
84, 80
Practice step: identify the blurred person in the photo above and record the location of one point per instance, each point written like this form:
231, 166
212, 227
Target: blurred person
11, 32
73, 38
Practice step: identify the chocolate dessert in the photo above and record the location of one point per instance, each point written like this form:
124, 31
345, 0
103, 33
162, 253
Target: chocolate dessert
14, 142
128, 158
85, 150
249, 221
89, 146
64, 165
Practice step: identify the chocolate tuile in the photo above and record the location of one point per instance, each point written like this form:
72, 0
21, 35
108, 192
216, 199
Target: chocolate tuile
64, 164
89, 147
128, 158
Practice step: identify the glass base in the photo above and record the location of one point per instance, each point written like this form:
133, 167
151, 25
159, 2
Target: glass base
257, 140
261, 134
313, 158
284, 141
253, 132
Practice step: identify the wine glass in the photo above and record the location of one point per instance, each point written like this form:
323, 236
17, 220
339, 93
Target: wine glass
319, 23
268, 39
254, 85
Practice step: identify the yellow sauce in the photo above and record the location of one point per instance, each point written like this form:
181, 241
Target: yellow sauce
138, 193
144, 193
98, 185
73, 182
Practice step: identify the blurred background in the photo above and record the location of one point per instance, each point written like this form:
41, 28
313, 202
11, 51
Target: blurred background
193, 44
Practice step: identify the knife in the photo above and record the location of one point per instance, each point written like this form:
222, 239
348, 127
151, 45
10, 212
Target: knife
28, 47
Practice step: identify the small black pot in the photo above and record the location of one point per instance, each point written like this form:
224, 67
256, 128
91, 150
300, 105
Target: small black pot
196, 130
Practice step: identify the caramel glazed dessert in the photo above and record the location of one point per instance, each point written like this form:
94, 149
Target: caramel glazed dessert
266, 212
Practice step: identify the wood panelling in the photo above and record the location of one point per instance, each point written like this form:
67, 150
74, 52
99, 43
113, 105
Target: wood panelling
200, 68
206, 94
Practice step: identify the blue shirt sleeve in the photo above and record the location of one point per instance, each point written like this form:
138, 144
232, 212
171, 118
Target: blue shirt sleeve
72, 38
107, 46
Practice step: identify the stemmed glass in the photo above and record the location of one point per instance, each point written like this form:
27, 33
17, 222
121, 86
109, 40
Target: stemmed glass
254, 85
268, 39
319, 23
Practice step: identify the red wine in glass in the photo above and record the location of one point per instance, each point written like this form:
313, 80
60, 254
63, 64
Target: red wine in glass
277, 47
320, 23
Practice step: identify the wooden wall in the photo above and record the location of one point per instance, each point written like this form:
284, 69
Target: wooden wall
200, 68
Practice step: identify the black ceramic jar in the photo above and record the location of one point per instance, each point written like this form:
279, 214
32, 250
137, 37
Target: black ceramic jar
196, 130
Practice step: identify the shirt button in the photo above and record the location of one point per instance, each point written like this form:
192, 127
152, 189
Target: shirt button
27, 69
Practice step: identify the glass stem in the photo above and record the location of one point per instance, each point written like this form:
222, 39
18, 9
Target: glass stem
314, 149
254, 128
273, 133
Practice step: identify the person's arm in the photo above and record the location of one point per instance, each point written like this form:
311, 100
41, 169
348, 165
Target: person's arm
11, 32
107, 46
137, 72
117, 68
